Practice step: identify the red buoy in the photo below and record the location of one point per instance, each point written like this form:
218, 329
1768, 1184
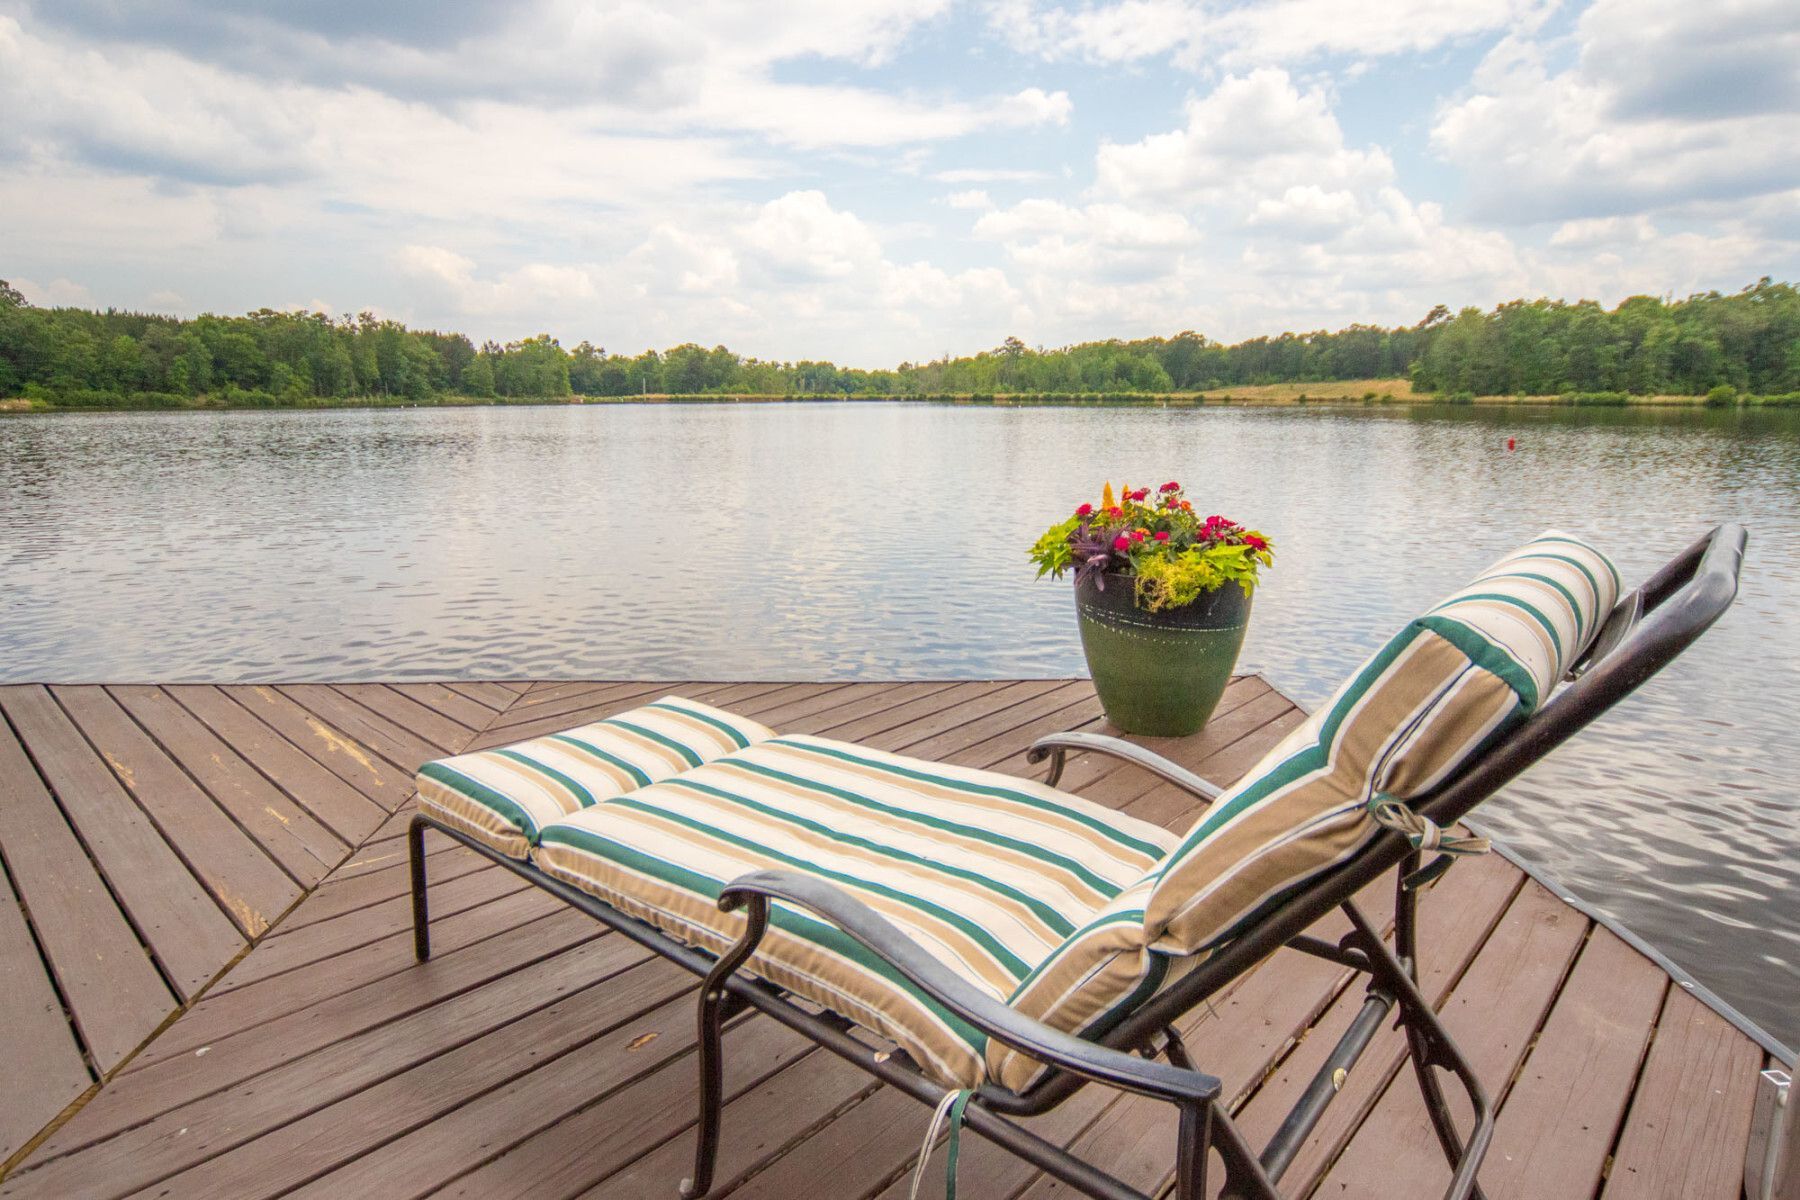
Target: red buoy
1511, 444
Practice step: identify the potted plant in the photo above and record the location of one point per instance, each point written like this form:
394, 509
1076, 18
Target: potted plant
1162, 597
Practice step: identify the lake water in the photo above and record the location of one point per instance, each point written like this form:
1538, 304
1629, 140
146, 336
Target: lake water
864, 541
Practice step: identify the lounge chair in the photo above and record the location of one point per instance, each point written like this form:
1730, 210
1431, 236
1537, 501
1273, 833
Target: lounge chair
1014, 942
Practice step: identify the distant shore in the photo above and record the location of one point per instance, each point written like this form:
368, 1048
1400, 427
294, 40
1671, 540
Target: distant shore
1363, 392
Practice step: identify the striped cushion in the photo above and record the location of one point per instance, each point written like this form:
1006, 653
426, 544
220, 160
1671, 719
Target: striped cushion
505, 797
1452, 680
988, 872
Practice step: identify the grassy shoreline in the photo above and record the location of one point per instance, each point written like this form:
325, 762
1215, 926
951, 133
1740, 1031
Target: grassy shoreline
1363, 393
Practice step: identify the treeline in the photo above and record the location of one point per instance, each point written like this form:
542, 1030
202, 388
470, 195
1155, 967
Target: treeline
1748, 341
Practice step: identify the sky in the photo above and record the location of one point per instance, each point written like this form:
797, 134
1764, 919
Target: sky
878, 181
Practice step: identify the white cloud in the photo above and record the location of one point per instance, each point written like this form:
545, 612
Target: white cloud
1256, 214
1254, 134
801, 237
1199, 35
533, 285
1669, 105
58, 293
990, 175
972, 198
1034, 106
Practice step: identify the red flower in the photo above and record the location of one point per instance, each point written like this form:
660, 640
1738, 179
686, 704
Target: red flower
1084, 510
1115, 511
1137, 495
1254, 542
1162, 535
1121, 542
1170, 486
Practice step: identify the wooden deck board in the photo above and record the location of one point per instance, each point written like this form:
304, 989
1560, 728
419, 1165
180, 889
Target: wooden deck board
1559, 1121
185, 930
538, 1055
42, 1047
339, 806
1690, 1114
1494, 1012
113, 990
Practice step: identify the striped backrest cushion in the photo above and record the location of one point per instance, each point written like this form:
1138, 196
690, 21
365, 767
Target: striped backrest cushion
1447, 684
1452, 680
505, 797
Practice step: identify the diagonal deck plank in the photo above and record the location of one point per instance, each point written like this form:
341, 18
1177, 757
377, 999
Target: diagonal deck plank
337, 749
42, 1047
293, 837
246, 881
538, 1055
113, 990
336, 804
184, 928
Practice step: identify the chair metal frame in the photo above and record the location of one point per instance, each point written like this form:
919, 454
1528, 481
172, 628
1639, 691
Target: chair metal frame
1645, 631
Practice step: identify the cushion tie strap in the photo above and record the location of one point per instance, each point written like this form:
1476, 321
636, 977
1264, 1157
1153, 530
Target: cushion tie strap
1425, 834
950, 1107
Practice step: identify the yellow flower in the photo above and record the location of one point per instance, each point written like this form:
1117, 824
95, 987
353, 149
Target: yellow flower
1106, 499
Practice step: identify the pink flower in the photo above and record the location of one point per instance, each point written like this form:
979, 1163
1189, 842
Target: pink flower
1162, 535
1084, 510
1170, 486
1137, 535
1121, 542
1137, 495
1254, 542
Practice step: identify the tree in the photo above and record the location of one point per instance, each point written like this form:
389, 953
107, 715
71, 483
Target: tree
537, 366
477, 378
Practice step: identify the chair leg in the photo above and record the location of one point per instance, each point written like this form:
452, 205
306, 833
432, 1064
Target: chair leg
415, 845
1430, 1046
1438, 1107
1193, 1151
715, 1007
712, 1091
1245, 1178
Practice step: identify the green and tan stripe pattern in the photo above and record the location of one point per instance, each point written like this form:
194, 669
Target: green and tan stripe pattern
505, 797
1421, 706
988, 872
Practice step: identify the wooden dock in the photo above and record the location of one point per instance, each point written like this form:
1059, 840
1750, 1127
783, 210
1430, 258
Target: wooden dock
206, 962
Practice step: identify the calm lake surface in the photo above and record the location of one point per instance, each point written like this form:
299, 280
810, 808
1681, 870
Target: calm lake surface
857, 541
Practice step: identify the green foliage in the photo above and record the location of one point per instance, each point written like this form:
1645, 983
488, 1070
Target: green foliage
73, 358
1173, 555
1749, 341
1052, 553
1172, 580
1723, 396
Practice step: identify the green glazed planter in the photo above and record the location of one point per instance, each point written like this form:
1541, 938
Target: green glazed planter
1159, 674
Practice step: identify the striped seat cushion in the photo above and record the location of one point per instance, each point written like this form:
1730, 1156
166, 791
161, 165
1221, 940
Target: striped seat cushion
505, 797
988, 872
1450, 682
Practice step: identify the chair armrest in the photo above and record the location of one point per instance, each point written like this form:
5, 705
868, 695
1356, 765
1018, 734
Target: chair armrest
1059, 745
1102, 1064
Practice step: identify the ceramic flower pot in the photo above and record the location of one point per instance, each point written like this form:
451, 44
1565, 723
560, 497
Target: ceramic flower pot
1159, 674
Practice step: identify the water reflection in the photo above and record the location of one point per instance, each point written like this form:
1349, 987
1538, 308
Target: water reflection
888, 542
